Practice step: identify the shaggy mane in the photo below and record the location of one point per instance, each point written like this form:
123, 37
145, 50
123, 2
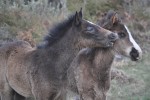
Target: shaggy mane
57, 32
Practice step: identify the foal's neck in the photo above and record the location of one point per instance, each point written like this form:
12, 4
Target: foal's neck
103, 59
66, 43
102, 62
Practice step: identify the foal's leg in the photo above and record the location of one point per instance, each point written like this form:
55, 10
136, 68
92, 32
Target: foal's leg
84, 96
7, 95
43, 95
50, 96
61, 95
94, 94
90, 92
18, 97
96, 97
11, 95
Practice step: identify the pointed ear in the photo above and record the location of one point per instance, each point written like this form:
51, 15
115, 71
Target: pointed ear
78, 19
115, 19
80, 13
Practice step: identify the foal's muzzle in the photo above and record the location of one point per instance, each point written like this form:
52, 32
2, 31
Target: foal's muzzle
112, 38
134, 54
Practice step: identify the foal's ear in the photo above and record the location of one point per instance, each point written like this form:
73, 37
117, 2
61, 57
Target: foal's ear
78, 18
115, 19
80, 13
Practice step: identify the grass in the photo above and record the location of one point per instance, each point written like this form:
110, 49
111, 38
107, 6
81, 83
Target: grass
22, 21
92, 8
136, 90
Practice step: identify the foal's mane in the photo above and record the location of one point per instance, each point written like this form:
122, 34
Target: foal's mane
57, 32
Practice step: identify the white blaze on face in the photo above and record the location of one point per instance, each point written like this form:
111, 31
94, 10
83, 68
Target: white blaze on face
135, 45
91, 23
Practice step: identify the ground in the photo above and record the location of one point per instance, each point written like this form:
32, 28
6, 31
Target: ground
138, 87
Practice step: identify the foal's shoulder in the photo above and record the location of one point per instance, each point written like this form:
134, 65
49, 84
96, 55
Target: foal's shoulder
86, 53
21, 43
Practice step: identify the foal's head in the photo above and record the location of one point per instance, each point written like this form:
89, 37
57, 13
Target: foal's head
90, 34
80, 32
125, 45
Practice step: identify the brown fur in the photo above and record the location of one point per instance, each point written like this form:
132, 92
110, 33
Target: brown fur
92, 75
89, 74
41, 72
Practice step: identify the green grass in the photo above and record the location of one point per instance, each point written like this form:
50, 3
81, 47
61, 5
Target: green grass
92, 8
137, 90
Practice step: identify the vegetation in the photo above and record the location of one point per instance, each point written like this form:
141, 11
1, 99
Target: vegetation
31, 21
136, 89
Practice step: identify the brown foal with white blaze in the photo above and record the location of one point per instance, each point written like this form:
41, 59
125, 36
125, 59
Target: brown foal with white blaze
89, 74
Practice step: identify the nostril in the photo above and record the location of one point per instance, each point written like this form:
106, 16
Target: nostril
112, 36
134, 54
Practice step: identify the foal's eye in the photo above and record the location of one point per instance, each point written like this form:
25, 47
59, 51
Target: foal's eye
122, 34
90, 29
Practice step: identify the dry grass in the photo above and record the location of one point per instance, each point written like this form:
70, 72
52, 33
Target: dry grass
30, 22
138, 88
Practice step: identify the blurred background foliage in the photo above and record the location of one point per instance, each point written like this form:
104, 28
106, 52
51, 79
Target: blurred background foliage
30, 20
39, 15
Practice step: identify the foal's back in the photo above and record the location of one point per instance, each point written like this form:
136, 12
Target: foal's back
8, 53
7, 50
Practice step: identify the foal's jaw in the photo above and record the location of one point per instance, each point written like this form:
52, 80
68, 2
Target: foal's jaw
98, 35
113, 37
134, 51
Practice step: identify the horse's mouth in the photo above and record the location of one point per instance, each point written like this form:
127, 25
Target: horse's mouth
134, 54
133, 58
110, 44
